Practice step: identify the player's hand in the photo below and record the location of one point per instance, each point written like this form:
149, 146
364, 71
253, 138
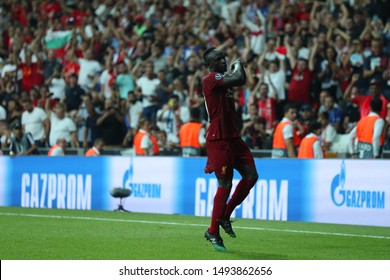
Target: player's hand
239, 61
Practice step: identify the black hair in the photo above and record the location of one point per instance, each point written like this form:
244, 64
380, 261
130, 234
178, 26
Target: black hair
195, 113
324, 115
376, 105
174, 96
288, 106
314, 126
207, 53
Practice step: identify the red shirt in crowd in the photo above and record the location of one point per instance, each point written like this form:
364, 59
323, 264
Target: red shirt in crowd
267, 110
50, 9
71, 67
20, 14
32, 75
300, 84
364, 105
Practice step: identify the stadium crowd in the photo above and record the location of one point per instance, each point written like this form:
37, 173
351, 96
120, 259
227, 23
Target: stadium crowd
100, 69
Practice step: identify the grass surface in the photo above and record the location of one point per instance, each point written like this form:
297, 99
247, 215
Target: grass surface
45, 234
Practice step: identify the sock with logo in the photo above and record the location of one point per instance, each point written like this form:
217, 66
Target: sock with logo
220, 199
241, 192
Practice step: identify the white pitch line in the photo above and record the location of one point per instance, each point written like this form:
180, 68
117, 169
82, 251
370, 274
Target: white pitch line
194, 225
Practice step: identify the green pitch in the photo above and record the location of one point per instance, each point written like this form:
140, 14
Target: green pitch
45, 234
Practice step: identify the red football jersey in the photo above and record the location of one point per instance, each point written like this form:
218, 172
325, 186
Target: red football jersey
220, 108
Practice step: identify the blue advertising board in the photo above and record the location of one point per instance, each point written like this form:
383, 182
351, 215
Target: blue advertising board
328, 191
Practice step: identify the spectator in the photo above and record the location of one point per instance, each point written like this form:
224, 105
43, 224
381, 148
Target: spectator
36, 122
96, 149
302, 74
158, 58
181, 92
32, 71
311, 145
73, 94
39, 96
253, 131
328, 72
163, 89
132, 112
61, 126
111, 124
89, 69
172, 72
275, 78
168, 119
14, 111
79, 117
57, 85
92, 130
266, 105
368, 133
283, 139
146, 88
192, 135
363, 101
335, 114
22, 144
58, 149
376, 64
124, 80
329, 133
145, 144
50, 65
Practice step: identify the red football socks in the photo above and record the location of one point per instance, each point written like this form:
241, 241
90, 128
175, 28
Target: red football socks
242, 190
220, 199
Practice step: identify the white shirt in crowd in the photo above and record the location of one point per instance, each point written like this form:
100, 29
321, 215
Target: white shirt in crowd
104, 81
87, 68
328, 134
148, 88
33, 122
57, 87
61, 129
135, 111
278, 79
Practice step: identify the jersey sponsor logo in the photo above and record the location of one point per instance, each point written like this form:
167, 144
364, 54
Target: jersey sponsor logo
218, 76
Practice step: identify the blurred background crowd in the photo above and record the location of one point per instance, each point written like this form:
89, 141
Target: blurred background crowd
98, 69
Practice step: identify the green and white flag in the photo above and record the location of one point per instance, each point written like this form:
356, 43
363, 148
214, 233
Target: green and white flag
57, 39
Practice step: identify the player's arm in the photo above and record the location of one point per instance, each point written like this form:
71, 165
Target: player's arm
237, 76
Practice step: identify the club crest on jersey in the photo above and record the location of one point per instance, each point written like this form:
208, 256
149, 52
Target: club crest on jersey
218, 76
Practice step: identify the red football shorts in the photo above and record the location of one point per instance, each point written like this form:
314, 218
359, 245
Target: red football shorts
224, 155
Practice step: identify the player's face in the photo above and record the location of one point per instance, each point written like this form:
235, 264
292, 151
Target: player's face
217, 61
